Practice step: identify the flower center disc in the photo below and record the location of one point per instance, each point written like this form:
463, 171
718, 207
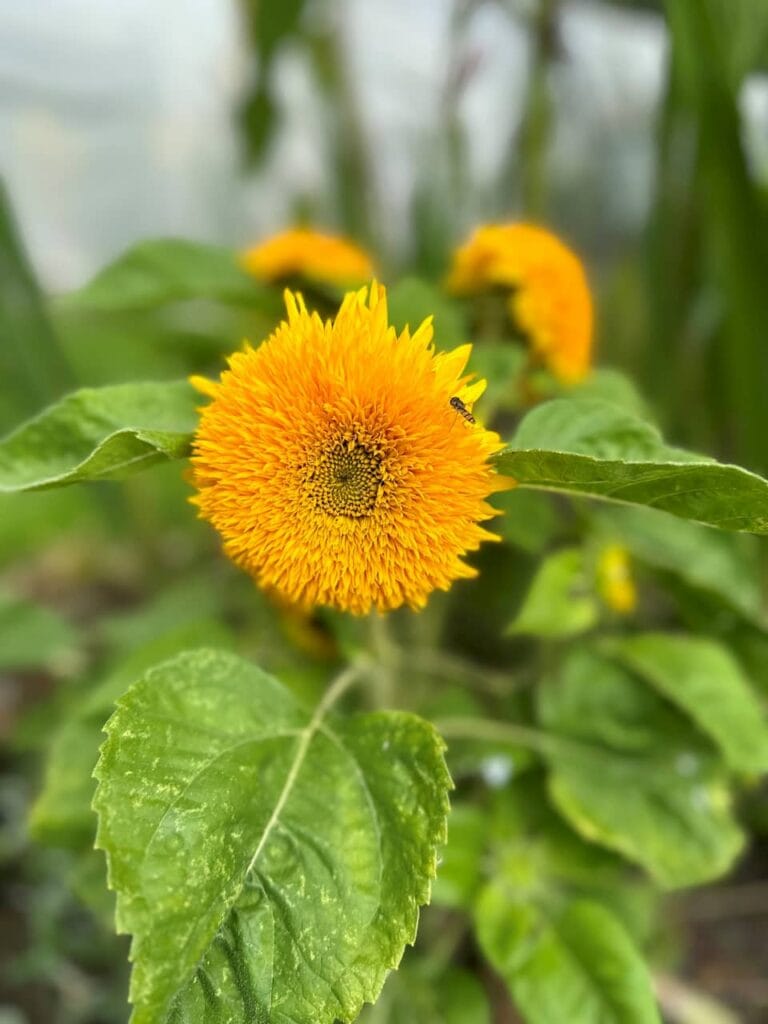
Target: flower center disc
345, 480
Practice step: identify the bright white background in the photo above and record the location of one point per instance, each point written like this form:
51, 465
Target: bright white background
116, 119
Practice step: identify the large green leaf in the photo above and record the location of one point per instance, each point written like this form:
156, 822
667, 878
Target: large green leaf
638, 779
586, 446
99, 434
560, 602
704, 680
725, 564
575, 964
166, 270
269, 863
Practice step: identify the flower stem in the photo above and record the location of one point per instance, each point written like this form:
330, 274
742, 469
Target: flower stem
387, 655
339, 686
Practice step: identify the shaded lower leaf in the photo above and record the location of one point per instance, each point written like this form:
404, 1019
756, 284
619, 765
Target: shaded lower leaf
593, 447
674, 817
418, 993
576, 965
637, 779
99, 434
530, 840
269, 863
704, 680
459, 873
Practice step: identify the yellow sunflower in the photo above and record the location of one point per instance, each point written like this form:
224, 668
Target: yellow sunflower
549, 300
334, 465
308, 254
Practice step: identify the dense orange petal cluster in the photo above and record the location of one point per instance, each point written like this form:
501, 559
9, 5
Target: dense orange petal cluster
550, 300
308, 254
334, 465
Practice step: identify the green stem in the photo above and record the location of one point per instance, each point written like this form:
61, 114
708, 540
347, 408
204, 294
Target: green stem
339, 686
387, 654
546, 744
437, 663
496, 732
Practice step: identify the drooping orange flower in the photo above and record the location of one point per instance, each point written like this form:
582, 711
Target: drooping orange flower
308, 254
550, 300
334, 465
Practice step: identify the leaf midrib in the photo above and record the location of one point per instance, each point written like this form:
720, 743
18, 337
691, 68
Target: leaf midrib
306, 736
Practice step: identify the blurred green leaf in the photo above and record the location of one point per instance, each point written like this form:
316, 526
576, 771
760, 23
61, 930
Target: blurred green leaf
702, 678
523, 824
238, 921
528, 519
459, 871
418, 992
194, 596
609, 385
560, 601
99, 434
33, 370
412, 300
460, 998
750, 645
165, 270
31, 519
88, 879
725, 564
594, 448
62, 814
576, 965
595, 700
503, 366
31, 635
639, 780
